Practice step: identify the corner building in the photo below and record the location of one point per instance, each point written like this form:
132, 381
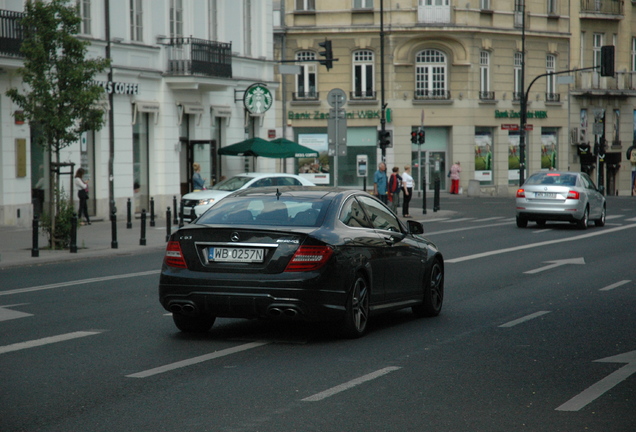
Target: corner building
457, 70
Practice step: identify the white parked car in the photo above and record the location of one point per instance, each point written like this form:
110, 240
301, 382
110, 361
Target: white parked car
195, 204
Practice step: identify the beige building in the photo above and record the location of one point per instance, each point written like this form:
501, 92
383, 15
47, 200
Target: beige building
456, 70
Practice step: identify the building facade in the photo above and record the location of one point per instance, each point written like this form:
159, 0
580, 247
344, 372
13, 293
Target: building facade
180, 69
458, 70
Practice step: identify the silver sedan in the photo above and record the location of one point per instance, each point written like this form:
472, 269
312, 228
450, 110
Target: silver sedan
560, 196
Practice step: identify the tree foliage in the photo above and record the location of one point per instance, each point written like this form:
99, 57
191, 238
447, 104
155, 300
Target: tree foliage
58, 80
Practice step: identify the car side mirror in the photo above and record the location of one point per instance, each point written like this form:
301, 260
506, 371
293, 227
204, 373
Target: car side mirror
415, 227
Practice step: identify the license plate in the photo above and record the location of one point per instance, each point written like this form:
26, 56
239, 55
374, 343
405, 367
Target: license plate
545, 195
223, 254
187, 210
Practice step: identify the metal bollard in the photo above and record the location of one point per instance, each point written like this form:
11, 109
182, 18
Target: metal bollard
181, 215
129, 214
424, 194
168, 228
142, 239
152, 211
436, 196
73, 245
35, 250
113, 228
174, 206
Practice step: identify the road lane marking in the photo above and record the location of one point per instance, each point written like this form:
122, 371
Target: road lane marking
489, 219
535, 245
346, 386
596, 390
524, 319
459, 220
556, 263
195, 360
78, 282
615, 285
47, 340
467, 228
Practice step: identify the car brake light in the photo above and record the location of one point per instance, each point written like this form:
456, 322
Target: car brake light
174, 256
309, 258
573, 195
521, 193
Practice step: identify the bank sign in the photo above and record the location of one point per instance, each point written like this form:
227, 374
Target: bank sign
324, 115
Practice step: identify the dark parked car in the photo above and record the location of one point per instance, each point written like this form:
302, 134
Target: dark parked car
308, 253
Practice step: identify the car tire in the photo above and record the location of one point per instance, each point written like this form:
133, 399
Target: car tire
522, 222
190, 324
357, 309
433, 296
601, 221
582, 223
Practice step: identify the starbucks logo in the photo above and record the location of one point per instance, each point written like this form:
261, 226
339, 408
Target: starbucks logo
257, 99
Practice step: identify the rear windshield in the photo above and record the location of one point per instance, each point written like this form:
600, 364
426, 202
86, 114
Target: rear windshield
549, 178
267, 211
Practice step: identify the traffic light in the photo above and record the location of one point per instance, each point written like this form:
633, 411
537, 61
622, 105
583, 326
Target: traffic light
384, 138
327, 54
421, 137
607, 61
414, 137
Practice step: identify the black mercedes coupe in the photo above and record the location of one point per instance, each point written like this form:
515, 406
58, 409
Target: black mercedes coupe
299, 253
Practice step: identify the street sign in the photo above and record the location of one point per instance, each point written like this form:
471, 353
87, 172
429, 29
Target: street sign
337, 98
512, 127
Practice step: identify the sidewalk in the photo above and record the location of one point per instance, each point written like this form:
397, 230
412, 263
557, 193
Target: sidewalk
95, 240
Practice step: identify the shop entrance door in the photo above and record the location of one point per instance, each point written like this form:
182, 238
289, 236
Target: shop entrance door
204, 153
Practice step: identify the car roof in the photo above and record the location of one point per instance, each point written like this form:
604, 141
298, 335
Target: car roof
264, 174
297, 191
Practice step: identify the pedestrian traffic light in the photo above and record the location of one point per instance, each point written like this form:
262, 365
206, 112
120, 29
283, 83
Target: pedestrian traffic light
384, 138
327, 54
607, 61
414, 137
421, 137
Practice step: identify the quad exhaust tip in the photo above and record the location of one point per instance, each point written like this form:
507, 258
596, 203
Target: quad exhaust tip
287, 312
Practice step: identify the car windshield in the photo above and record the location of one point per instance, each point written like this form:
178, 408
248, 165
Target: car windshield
552, 178
268, 210
232, 184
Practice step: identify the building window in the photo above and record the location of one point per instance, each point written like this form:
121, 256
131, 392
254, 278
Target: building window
634, 54
85, 13
363, 4
519, 9
484, 77
306, 79
550, 84
484, 4
247, 27
552, 7
214, 21
517, 92
430, 75
617, 128
176, 18
305, 5
597, 43
136, 21
363, 83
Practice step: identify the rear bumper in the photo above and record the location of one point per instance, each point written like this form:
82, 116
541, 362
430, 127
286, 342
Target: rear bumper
564, 211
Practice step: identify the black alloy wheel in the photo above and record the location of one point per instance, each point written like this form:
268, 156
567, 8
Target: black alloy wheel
582, 223
357, 310
601, 221
433, 292
190, 324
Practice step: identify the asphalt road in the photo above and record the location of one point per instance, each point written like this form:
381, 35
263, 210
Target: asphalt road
537, 334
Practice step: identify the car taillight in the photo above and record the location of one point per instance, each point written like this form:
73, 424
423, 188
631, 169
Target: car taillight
309, 258
521, 193
573, 195
174, 256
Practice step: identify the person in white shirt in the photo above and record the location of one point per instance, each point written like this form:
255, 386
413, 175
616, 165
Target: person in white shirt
407, 186
82, 194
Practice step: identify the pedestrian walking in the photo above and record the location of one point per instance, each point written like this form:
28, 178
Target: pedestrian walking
380, 183
407, 186
82, 195
454, 176
395, 186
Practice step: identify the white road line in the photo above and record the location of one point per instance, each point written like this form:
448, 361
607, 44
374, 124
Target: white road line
615, 285
45, 341
195, 360
524, 319
542, 231
488, 219
78, 282
466, 228
346, 386
459, 220
535, 245
610, 217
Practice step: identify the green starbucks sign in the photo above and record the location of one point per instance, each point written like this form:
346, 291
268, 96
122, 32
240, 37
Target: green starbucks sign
257, 99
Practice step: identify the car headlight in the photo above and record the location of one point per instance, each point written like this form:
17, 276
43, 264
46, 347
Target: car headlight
206, 201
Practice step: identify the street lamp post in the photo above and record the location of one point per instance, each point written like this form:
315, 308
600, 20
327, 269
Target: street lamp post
524, 100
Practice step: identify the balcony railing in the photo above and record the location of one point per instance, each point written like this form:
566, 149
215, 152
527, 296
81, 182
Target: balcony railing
592, 80
191, 56
609, 7
311, 95
552, 97
11, 33
487, 95
431, 95
362, 95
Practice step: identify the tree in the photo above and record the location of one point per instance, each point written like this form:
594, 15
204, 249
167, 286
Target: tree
59, 90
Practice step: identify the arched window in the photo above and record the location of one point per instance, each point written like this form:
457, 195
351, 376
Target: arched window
363, 82
306, 79
431, 81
